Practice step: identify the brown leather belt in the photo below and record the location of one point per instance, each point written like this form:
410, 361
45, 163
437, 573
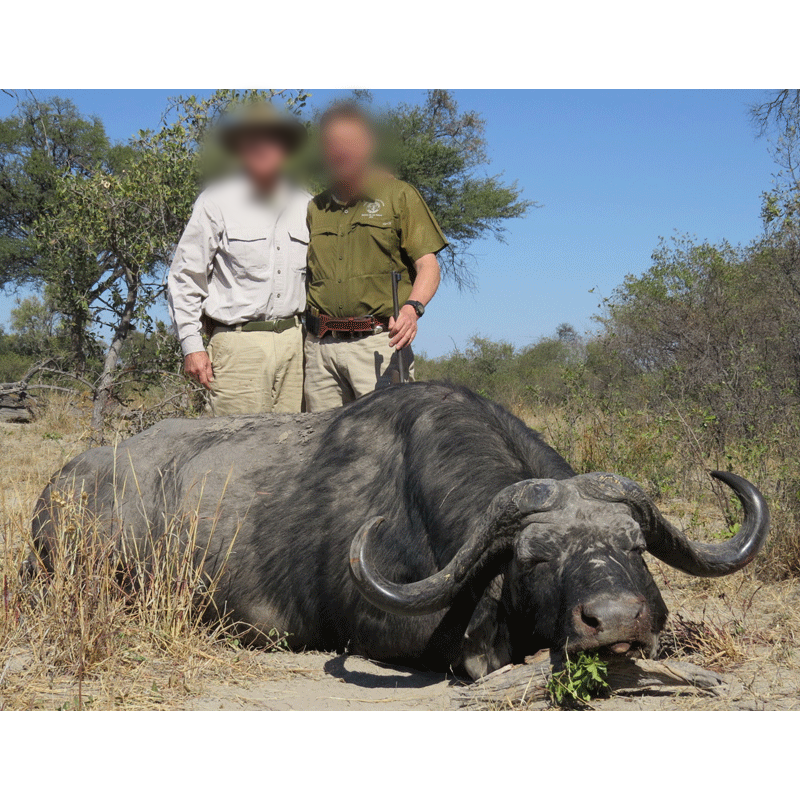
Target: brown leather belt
344, 327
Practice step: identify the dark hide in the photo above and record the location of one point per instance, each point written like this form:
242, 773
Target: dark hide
284, 496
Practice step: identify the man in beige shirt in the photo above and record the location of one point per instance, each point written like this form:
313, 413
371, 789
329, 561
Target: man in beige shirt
241, 265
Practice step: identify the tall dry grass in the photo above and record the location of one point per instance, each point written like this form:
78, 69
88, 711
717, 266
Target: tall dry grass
671, 456
97, 627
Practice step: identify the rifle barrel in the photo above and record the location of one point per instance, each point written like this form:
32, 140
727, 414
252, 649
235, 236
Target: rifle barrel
401, 356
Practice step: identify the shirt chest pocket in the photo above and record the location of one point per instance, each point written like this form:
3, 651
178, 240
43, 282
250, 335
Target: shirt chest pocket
375, 237
324, 246
324, 232
248, 246
298, 247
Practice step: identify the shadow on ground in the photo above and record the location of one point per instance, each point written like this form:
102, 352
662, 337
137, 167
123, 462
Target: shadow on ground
392, 676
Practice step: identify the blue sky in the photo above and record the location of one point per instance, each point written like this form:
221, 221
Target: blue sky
613, 171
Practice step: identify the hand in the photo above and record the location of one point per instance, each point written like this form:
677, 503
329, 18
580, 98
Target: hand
404, 330
198, 366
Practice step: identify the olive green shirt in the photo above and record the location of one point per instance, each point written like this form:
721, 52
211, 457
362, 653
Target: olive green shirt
354, 248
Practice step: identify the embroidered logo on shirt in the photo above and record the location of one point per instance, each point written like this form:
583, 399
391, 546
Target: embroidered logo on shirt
373, 209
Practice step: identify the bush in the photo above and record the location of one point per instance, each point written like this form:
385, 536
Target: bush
691, 371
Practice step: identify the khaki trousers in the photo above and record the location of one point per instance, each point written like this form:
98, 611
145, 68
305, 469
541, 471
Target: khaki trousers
339, 371
256, 372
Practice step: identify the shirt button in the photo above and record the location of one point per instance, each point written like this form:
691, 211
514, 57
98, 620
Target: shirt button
279, 272
279, 247
341, 258
278, 295
347, 211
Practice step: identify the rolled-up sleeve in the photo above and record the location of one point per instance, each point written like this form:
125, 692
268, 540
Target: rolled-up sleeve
187, 284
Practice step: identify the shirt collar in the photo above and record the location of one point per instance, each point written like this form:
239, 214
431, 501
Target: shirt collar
372, 188
277, 198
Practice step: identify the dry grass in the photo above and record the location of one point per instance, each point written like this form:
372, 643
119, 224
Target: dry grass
87, 635
671, 458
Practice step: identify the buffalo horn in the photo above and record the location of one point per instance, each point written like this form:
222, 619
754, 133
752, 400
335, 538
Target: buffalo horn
670, 545
493, 536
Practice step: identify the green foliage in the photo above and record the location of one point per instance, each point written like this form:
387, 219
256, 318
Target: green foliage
516, 377
39, 144
580, 681
442, 151
13, 364
38, 328
278, 642
95, 225
711, 325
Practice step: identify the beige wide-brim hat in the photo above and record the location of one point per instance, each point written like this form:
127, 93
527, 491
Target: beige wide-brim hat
262, 117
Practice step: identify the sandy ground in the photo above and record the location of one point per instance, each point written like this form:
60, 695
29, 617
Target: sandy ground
329, 682
325, 682
322, 682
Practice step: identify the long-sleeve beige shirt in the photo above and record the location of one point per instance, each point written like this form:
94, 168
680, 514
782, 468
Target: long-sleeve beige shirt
241, 258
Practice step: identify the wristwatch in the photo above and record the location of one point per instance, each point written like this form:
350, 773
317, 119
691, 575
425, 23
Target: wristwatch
417, 306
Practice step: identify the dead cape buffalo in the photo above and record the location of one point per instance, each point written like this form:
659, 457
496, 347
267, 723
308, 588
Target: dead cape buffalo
423, 525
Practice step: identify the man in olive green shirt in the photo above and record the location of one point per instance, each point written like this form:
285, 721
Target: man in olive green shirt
365, 227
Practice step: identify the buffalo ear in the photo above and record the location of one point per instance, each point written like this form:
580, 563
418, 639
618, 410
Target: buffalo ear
487, 641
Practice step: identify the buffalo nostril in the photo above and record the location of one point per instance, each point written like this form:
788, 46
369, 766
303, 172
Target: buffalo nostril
609, 615
589, 621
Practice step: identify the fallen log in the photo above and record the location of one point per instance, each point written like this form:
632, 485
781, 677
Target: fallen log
21, 414
14, 402
13, 392
514, 686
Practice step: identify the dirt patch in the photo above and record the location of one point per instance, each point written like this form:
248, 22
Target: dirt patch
324, 682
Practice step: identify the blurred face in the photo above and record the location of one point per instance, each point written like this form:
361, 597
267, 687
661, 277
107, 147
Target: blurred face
347, 149
262, 157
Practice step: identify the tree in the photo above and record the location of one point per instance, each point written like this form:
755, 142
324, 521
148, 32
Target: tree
13, 365
779, 253
38, 144
110, 231
781, 109
706, 325
37, 328
442, 151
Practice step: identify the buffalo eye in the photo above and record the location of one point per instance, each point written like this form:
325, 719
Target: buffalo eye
529, 553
